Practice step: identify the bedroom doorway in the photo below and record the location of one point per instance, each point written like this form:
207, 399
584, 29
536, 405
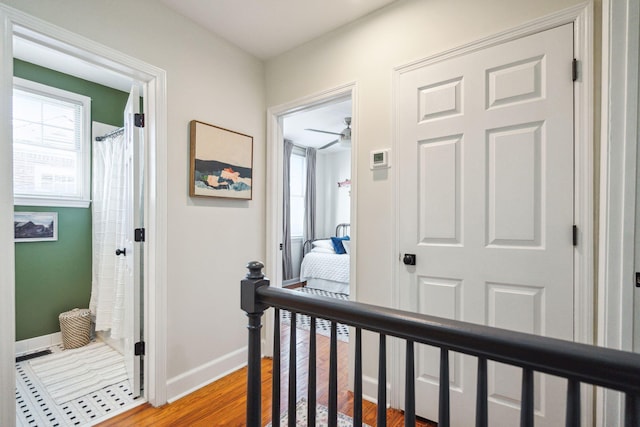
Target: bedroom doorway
312, 139
316, 196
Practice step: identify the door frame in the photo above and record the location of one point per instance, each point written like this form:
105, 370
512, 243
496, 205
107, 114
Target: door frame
619, 189
581, 16
274, 213
153, 79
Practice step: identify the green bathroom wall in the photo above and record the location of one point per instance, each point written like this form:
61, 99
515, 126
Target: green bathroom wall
53, 277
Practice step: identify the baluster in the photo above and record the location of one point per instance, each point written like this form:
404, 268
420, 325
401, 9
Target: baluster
254, 404
357, 379
631, 410
275, 376
382, 382
443, 410
332, 420
526, 409
573, 404
292, 372
311, 407
409, 388
482, 413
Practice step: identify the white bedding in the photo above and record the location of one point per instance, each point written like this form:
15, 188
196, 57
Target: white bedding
328, 285
331, 267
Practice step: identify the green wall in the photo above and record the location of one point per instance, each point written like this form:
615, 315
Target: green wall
53, 277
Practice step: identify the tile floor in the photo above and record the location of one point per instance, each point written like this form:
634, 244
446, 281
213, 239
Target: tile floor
34, 407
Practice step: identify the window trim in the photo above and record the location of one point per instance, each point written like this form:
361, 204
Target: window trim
85, 134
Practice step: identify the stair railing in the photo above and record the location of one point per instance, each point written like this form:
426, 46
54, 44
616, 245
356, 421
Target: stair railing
578, 363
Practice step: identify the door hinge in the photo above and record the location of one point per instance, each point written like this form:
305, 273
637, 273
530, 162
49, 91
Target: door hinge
138, 120
575, 235
138, 348
637, 279
138, 235
574, 69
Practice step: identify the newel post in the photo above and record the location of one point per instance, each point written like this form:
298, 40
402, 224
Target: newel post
249, 303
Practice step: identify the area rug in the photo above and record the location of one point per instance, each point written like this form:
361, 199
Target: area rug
70, 374
322, 414
323, 327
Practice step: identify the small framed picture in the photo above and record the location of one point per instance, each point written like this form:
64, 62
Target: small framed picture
35, 226
221, 162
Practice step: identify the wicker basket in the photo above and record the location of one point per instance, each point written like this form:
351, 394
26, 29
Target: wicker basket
75, 326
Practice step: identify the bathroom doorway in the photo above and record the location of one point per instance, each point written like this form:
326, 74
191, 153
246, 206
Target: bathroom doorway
93, 262
150, 80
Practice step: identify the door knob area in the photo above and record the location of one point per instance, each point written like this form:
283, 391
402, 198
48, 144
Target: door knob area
409, 259
121, 251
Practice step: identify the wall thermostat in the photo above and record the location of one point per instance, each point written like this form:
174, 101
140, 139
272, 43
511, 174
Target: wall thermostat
379, 159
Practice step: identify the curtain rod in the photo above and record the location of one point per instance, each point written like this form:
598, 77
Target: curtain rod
112, 133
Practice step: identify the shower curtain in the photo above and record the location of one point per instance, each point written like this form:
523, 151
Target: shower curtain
109, 211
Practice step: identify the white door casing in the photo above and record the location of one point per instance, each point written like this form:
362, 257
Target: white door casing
134, 190
620, 157
486, 190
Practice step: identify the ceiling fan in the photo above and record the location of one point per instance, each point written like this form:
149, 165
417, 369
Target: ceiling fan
345, 135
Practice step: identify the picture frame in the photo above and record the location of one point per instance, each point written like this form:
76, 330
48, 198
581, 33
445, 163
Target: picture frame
221, 162
35, 226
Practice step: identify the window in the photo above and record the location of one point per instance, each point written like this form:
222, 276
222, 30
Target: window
50, 146
298, 183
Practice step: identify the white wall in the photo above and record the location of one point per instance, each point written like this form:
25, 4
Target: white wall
209, 241
332, 203
366, 53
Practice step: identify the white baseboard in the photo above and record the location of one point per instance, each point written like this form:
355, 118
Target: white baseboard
199, 377
370, 389
37, 343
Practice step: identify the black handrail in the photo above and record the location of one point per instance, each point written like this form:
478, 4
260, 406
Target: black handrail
613, 369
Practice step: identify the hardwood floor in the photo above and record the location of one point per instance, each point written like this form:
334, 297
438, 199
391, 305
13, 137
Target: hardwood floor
223, 403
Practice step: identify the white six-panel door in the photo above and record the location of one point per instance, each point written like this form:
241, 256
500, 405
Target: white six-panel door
486, 204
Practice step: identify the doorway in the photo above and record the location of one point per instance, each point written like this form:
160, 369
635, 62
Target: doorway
152, 81
81, 267
318, 162
341, 101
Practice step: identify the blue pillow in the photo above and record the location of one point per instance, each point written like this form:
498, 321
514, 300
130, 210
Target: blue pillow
337, 244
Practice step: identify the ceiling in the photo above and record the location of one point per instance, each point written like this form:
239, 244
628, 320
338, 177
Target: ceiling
267, 28
329, 117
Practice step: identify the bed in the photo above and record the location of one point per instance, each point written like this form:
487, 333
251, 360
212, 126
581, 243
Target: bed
325, 268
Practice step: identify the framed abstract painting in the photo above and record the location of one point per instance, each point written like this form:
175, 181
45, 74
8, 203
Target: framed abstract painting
221, 162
